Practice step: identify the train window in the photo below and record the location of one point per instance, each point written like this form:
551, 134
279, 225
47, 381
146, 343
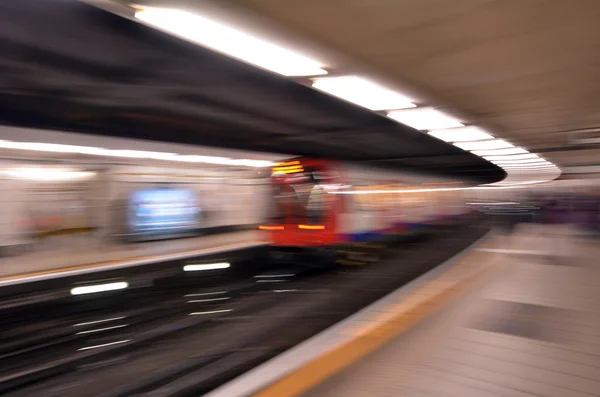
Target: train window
378, 197
299, 198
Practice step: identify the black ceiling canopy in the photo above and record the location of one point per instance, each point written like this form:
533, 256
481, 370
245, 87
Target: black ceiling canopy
67, 65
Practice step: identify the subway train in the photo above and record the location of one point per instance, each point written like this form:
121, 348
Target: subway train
116, 190
320, 207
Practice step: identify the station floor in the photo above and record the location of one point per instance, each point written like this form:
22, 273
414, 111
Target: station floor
531, 329
75, 254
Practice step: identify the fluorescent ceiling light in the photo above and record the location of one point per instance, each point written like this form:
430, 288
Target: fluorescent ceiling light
137, 154
425, 119
484, 145
529, 170
500, 152
140, 154
519, 162
524, 183
461, 134
529, 167
206, 266
50, 147
522, 167
91, 289
513, 157
524, 161
232, 42
48, 174
362, 92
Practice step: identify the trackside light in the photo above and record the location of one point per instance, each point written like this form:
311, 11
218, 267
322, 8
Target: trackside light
92, 289
206, 266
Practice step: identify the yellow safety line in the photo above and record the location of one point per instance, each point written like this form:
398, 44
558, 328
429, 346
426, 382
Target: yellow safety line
367, 338
114, 262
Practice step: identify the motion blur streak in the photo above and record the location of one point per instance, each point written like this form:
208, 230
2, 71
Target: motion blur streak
210, 312
206, 266
92, 331
209, 300
104, 345
99, 321
92, 289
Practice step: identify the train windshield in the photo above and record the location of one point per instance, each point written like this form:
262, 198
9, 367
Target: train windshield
298, 198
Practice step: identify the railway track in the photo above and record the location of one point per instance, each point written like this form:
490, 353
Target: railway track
187, 341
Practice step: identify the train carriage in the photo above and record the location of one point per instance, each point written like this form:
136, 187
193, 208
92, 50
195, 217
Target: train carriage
319, 206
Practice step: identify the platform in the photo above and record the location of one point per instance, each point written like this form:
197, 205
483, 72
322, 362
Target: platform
84, 257
513, 316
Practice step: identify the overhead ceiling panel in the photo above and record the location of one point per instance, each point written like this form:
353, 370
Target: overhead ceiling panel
526, 70
83, 69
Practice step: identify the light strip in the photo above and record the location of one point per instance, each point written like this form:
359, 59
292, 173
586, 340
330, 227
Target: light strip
525, 161
210, 312
513, 157
424, 119
484, 145
526, 170
209, 300
529, 167
100, 321
48, 174
271, 228
500, 152
522, 162
271, 281
232, 42
461, 134
288, 163
532, 169
207, 293
401, 191
138, 154
288, 170
93, 331
311, 227
362, 92
104, 345
206, 266
92, 289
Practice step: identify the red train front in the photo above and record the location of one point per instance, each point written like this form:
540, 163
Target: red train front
302, 221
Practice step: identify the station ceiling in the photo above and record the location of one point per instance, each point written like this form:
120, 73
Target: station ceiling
528, 70
73, 67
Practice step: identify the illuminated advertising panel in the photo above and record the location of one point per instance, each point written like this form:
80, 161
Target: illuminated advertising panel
163, 210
